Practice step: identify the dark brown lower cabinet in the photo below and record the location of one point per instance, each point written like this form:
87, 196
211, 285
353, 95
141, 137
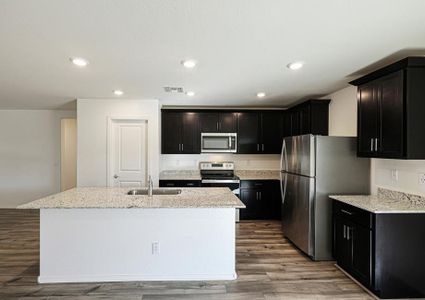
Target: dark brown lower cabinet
179, 183
383, 251
262, 200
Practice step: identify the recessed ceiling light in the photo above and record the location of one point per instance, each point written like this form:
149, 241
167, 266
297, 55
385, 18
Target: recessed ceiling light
295, 65
189, 63
190, 93
78, 61
118, 92
261, 95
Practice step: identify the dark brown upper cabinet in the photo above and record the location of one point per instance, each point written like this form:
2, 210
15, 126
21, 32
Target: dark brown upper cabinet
391, 110
260, 132
248, 132
309, 117
180, 132
218, 122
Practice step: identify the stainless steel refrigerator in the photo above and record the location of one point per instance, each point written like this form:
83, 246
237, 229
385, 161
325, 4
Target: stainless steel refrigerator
312, 168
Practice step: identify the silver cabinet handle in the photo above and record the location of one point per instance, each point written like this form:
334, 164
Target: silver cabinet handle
376, 144
258, 147
346, 212
371, 145
259, 194
116, 176
262, 147
217, 126
182, 146
348, 232
344, 234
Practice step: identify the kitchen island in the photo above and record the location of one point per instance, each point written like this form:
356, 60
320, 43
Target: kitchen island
102, 234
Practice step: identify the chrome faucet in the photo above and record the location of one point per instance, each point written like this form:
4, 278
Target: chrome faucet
150, 186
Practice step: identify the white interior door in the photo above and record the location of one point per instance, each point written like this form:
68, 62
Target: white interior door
128, 159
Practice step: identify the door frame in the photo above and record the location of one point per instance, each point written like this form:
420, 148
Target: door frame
109, 142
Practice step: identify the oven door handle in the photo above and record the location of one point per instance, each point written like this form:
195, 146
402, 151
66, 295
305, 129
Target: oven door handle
220, 181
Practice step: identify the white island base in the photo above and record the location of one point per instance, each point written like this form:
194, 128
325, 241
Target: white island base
113, 244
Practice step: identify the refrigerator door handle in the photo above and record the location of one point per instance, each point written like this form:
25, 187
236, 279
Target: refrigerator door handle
283, 185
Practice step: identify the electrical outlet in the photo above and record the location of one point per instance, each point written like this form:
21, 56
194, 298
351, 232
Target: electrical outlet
155, 248
421, 178
394, 175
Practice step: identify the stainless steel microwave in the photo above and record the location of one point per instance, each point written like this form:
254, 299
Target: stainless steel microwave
218, 142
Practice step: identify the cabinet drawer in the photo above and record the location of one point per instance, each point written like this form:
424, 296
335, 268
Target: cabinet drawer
179, 183
352, 213
258, 184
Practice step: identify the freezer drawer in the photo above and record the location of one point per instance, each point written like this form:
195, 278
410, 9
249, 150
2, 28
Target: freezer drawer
297, 210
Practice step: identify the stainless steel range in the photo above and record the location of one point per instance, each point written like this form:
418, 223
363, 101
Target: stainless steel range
220, 174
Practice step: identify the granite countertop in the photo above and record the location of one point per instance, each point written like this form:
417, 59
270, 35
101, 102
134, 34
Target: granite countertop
180, 175
258, 174
242, 174
387, 201
104, 197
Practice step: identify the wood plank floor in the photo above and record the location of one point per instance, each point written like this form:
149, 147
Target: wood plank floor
268, 267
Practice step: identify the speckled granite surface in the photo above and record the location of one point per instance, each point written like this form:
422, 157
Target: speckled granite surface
387, 201
258, 174
242, 174
98, 197
180, 175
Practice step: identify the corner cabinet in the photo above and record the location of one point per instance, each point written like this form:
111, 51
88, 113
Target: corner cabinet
382, 251
180, 133
309, 117
391, 109
262, 199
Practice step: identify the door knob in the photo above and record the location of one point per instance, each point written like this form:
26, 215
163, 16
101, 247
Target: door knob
116, 176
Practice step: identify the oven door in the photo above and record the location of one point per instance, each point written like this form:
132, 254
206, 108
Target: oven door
218, 142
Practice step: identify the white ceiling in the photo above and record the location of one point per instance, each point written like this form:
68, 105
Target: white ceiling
242, 47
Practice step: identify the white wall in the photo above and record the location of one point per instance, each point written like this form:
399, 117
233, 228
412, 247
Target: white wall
343, 112
343, 121
92, 135
29, 154
242, 161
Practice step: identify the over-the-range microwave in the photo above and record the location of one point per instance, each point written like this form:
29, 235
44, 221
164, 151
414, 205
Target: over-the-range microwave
218, 142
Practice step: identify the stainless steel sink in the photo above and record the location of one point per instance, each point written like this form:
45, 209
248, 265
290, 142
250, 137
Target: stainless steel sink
155, 192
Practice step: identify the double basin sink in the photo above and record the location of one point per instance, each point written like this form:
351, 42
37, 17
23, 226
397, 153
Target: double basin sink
155, 192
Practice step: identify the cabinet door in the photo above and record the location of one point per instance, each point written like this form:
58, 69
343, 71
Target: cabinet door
248, 133
250, 197
270, 200
190, 133
360, 240
209, 122
305, 119
390, 143
295, 123
171, 133
287, 127
271, 132
367, 119
342, 249
227, 122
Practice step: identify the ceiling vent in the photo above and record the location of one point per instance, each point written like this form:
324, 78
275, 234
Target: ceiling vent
173, 89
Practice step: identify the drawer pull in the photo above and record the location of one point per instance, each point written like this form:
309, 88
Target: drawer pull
190, 184
170, 184
347, 212
258, 184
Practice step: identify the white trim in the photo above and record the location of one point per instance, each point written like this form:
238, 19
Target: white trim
125, 277
109, 139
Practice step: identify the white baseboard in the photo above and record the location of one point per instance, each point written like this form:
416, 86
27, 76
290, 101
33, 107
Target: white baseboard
123, 277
